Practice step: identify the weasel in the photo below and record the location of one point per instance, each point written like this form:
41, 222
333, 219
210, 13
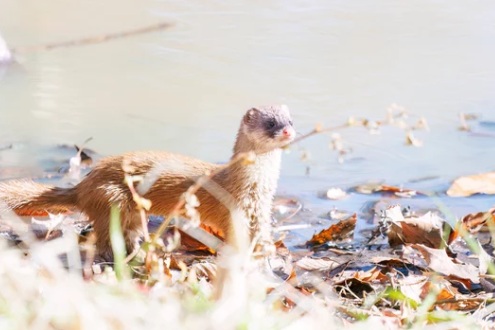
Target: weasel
263, 131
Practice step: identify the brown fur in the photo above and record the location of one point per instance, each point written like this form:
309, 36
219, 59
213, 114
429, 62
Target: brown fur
166, 177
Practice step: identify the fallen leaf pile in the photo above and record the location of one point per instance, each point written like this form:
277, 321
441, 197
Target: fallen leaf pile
422, 263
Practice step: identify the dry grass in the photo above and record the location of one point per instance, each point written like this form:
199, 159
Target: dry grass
39, 292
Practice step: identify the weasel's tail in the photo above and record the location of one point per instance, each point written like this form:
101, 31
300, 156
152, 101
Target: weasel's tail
26, 197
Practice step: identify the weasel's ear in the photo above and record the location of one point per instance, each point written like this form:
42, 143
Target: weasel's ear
250, 114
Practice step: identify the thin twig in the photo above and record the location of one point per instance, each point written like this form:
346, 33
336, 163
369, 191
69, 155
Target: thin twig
319, 130
140, 204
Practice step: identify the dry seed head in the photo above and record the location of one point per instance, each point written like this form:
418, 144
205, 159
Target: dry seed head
173, 242
192, 202
412, 141
145, 203
422, 124
305, 156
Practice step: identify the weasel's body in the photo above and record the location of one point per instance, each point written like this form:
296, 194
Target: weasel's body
166, 177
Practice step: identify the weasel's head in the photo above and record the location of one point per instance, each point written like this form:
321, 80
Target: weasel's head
267, 128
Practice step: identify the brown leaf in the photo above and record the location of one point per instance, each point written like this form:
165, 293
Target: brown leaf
448, 297
426, 230
335, 232
474, 222
357, 287
483, 183
398, 191
190, 244
385, 189
438, 261
388, 261
281, 248
444, 290
368, 275
319, 264
412, 286
359, 282
460, 304
372, 275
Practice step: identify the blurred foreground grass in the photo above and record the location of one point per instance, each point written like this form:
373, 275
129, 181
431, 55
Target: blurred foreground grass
39, 292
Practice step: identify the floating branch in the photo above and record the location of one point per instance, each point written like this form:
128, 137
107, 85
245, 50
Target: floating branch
94, 39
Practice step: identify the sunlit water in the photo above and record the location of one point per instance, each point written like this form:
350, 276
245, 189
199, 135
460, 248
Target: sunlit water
184, 89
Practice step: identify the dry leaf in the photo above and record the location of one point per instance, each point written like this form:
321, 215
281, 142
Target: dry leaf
448, 297
190, 244
371, 276
474, 222
381, 188
426, 230
336, 232
362, 281
464, 186
319, 264
438, 261
444, 289
459, 305
398, 191
412, 286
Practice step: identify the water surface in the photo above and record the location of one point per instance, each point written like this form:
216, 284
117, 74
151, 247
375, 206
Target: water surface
184, 89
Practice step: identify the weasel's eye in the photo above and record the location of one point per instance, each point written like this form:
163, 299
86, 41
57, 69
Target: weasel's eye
290, 122
271, 123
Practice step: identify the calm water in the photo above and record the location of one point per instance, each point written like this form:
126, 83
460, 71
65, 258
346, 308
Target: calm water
185, 89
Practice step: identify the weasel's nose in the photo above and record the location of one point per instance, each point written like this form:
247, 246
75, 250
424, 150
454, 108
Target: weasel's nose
287, 132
